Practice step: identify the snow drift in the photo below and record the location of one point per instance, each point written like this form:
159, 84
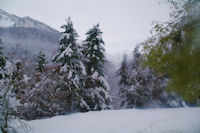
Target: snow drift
178, 120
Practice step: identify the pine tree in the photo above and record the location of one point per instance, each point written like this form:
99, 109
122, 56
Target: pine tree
124, 79
70, 58
123, 71
18, 77
2, 61
96, 93
41, 62
143, 89
136, 94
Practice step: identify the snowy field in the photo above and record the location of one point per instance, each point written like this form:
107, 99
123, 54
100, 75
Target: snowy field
179, 120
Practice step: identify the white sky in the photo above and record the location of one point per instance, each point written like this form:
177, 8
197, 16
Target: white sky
123, 22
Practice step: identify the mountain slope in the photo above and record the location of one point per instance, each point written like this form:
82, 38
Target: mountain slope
10, 20
7, 20
28, 34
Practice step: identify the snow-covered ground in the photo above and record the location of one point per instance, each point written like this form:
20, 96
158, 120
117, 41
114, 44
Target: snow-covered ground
179, 120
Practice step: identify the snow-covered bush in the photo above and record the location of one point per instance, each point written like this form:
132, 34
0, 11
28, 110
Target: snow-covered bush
8, 101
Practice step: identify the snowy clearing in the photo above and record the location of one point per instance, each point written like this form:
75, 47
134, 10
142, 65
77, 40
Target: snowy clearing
179, 120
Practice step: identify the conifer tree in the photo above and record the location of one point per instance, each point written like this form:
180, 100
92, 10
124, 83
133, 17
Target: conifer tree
124, 79
97, 88
2, 58
70, 58
143, 88
136, 93
41, 62
123, 71
18, 76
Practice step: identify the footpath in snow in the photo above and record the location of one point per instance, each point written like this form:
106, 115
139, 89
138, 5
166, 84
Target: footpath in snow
178, 120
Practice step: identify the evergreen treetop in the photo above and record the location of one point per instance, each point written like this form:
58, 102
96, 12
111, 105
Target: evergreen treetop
72, 68
2, 58
94, 50
41, 62
97, 89
123, 71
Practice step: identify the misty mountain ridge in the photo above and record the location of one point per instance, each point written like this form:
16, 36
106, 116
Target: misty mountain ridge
11, 20
29, 35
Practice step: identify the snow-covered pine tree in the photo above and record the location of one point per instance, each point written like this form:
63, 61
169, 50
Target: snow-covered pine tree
2, 61
135, 94
124, 79
149, 87
18, 78
97, 89
70, 57
41, 62
145, 89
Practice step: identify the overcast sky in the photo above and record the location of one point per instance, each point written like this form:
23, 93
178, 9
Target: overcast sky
123, 22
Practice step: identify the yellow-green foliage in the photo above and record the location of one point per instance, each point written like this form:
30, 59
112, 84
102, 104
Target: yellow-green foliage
174, 50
